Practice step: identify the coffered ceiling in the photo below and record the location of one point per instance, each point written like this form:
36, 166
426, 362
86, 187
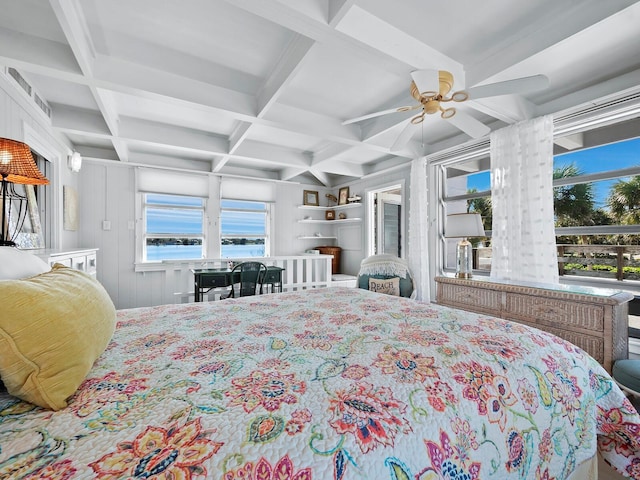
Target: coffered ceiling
261, 88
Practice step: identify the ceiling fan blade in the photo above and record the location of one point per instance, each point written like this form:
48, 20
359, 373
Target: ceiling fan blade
517, 85
426, 80
404, 137
468, 124
380, 113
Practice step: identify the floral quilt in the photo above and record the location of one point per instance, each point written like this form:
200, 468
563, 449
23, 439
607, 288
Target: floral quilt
334, 383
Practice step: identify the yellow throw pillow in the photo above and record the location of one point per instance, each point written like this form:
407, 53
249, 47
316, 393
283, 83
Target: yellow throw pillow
52, 328
389, 286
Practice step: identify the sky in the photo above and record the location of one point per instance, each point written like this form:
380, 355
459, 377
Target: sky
162, 220
591, 160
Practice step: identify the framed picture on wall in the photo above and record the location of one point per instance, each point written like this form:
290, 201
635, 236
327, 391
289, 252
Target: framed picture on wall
310, 197
343, 195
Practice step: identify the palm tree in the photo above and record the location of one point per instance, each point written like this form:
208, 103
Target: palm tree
482, 206
624, 201
573, 204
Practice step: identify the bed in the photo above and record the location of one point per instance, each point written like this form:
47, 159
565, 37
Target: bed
332, 383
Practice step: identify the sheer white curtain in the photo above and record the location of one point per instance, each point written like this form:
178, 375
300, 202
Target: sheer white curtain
418, 230
523, 239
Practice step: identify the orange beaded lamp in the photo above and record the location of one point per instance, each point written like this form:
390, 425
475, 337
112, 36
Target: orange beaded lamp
16, 166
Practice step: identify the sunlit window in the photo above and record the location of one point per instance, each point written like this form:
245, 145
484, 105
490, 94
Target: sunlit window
244, 229
173, 227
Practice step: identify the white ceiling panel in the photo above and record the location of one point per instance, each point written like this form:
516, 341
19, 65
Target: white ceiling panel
263, 87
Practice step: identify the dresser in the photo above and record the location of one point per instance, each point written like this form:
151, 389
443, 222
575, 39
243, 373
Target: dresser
84, 259
594, 319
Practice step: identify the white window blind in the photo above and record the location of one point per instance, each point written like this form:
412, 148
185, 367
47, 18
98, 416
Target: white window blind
171, 182
244, 189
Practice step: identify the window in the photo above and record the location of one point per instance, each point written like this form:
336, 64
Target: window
596, 204
173, 227
244, 229
467, 188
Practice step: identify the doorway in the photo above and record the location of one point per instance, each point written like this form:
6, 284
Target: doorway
386, 221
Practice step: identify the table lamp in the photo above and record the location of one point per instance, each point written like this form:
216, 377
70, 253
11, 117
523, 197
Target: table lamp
16, 166
464, 225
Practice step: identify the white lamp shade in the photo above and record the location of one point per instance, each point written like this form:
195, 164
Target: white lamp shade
463, 225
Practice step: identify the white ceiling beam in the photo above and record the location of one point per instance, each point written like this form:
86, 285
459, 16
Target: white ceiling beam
337, 9
387, 163
79, 120
328, 153
43, 55
313, 124
136, 79
285, 15
75, 28
530, 39
321, 176
250, 173
291, 172
272, 154
218, 162
594, 93
238, 135
97, 153
125, 77
343, 168
292, 60
390, 40
180, 138
165, 160
508, 108
121, 148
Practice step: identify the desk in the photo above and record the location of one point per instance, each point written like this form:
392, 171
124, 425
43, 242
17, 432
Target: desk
206, 279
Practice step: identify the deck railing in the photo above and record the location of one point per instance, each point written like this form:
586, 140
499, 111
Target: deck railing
617, 262
620, 262
300, 272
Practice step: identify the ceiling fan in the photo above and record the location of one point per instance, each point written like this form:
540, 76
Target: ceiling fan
431, 89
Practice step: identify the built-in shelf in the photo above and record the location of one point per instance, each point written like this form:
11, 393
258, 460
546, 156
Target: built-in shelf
338, 220
314, 237
335, 207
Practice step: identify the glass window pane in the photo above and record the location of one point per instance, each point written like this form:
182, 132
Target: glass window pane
243, 205
177, 200
242, 247
602, 158
174, 220
173, 248
242, 223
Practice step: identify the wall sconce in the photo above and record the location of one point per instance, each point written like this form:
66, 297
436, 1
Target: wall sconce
464, 225
74, 162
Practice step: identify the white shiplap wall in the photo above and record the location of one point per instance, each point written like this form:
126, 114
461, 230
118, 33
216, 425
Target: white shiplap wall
107, 192
20, 121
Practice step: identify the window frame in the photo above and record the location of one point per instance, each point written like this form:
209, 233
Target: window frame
476, 151
268, 211
144, 235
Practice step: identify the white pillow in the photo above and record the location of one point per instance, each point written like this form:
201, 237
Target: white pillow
16, 264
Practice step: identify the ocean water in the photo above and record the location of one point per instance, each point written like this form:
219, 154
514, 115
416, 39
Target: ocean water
188, 252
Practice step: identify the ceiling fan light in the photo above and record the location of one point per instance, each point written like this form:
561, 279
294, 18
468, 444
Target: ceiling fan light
418, 95
448, 113
460, 96
418, 119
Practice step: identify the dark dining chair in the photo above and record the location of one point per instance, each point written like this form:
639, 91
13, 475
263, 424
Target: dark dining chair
247, 278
